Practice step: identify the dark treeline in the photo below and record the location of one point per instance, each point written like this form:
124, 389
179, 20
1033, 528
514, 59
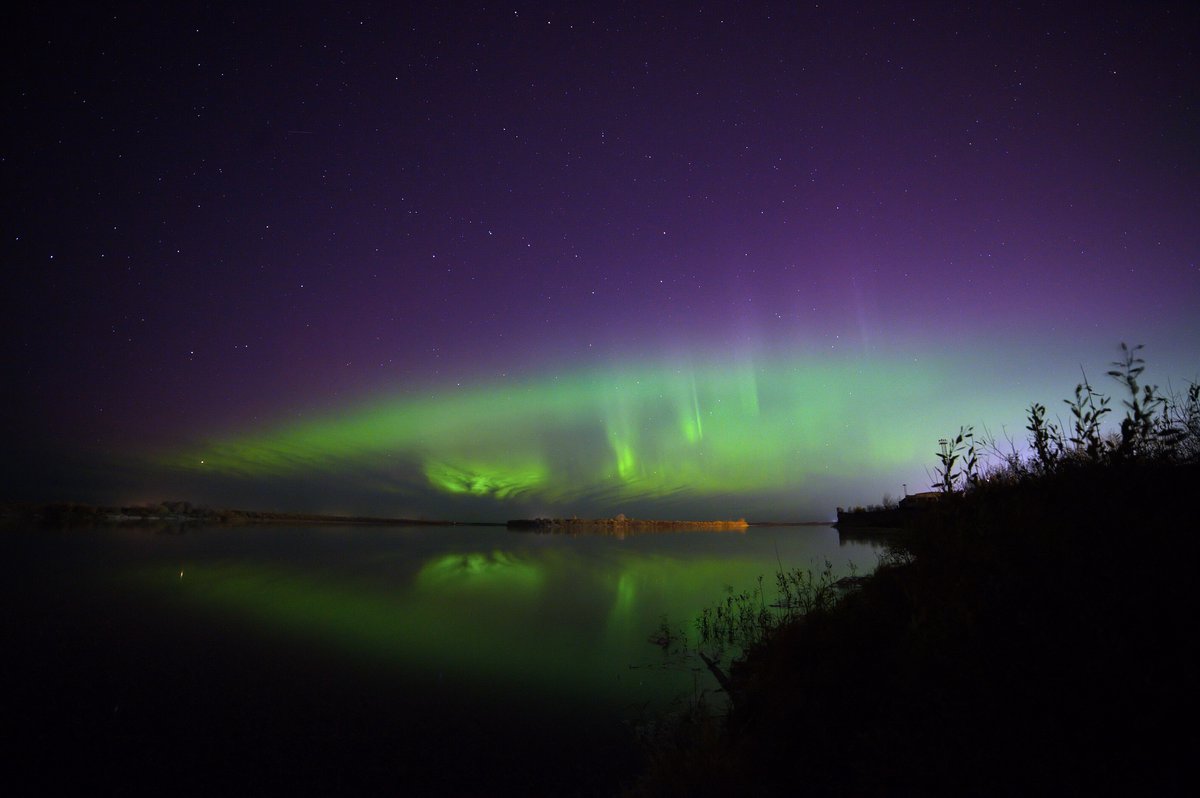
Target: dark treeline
1030, 632
67, 514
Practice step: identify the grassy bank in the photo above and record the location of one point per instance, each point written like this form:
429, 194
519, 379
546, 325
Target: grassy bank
1030, 633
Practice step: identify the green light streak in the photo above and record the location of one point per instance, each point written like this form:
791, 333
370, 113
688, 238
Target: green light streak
481, 480
693, 425
645, 433
623, 450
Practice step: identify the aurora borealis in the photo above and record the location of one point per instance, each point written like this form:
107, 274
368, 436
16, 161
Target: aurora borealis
476, 262
694, 436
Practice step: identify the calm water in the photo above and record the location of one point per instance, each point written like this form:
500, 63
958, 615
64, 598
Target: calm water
357, 659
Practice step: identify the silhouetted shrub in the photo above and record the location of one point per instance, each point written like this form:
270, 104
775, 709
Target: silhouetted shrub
1021, 637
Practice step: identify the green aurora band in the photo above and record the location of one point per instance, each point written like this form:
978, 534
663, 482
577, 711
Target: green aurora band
612, 436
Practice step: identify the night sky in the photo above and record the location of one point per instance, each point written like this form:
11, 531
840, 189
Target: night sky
482, 262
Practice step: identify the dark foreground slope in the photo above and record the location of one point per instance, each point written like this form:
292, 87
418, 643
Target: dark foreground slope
1034, 636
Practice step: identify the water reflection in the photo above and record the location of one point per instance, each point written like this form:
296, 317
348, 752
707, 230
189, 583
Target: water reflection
621, 531
560, 615
446, 630
477, 570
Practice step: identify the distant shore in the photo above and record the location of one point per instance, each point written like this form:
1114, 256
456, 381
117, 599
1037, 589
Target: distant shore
74, 514
183, 512
620, 522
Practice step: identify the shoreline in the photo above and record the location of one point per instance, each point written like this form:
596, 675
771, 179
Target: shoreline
76, 514
916, 663
618, 523
185, 513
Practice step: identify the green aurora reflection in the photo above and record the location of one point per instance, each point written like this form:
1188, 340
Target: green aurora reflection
561, 622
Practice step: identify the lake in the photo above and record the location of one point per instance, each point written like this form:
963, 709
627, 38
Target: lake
358, 659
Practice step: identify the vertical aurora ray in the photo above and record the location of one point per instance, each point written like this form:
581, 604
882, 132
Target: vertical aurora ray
693, 426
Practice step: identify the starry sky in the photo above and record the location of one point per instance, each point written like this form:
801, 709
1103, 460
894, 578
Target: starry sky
484, 261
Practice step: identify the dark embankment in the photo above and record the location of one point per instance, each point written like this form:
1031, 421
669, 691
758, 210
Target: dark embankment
1033, 636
